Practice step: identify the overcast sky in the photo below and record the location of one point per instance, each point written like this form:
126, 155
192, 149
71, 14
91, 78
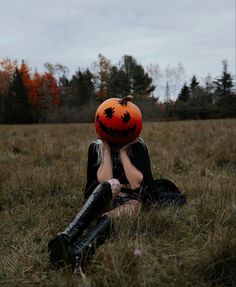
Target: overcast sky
197, 33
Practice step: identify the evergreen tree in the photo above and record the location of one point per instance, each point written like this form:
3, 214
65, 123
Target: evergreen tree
224, 85
129, 78
16, 107
82, 88
85, 87
118, 84
225, 98
194, 84
184, 94
72, 98
139, 80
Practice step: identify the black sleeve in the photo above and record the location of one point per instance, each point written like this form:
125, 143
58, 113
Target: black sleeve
92, 167
139, 157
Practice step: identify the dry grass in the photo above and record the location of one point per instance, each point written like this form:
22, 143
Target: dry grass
42, 175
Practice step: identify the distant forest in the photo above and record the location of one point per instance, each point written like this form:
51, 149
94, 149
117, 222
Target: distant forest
53, 97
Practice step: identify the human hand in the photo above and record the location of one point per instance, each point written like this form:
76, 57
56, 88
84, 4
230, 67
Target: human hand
106, 146
104, 143
115, 187
127, 146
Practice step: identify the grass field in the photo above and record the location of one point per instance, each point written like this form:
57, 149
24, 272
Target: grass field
42, 176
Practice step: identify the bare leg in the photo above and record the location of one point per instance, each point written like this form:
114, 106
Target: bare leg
130, 208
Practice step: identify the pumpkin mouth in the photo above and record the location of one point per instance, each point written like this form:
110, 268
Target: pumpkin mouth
115, 132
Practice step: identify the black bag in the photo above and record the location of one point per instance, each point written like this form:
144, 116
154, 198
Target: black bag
165, 193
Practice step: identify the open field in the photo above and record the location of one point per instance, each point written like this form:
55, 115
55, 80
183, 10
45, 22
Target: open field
42, 175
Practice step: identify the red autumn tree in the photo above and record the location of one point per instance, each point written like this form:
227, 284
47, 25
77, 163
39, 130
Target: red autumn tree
29, 84
36, 95
43, 91
50, 82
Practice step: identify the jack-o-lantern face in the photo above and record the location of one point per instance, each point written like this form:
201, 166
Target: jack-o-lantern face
118, 121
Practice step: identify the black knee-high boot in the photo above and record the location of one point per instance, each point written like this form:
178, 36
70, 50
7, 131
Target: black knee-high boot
82, 249
95, 204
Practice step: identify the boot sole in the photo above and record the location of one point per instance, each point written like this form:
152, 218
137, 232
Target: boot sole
58, 250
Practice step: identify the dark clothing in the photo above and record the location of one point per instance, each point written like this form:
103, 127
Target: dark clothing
139, 157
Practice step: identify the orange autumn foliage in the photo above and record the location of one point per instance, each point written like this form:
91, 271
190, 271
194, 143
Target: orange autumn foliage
52, 88
39, 85
29, 84
36, 91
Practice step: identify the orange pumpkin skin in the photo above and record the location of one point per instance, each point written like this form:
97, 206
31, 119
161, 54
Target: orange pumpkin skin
117, 122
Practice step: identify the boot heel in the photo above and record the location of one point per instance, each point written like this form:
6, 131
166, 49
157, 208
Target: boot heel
58, 249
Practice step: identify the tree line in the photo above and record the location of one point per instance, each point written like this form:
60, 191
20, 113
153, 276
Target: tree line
53, 97
217, 99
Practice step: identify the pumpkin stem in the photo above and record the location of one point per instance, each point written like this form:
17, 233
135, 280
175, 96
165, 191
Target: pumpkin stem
126, 99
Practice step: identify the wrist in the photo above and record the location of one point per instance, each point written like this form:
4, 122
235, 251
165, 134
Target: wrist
123, 152
106, 154
106, 148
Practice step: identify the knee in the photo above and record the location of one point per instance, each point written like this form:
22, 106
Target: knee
103, 190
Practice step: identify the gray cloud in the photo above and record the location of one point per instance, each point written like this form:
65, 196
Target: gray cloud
198, 33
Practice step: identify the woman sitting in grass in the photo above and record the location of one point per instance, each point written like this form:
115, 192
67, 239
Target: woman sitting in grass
119, 182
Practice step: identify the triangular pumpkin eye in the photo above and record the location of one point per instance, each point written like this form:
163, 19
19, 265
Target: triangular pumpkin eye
109, 113
126, 118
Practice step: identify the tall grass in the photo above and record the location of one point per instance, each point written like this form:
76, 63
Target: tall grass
42, 176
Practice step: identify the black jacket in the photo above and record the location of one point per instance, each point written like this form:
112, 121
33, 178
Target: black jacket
138, 154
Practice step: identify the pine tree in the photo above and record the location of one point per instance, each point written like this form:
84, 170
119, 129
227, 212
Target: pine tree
129, 78
85, 87
81, 88
225, 98
224, 85
16, 107
139, 81
194, 84
184, 94
118, 84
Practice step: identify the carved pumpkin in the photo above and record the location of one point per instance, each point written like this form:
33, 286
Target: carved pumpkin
118, 121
